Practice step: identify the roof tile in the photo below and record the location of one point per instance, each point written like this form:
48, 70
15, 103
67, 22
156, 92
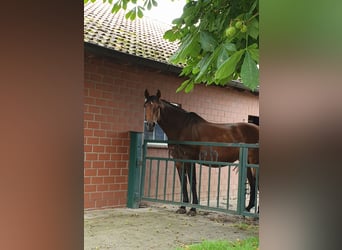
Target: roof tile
142, 37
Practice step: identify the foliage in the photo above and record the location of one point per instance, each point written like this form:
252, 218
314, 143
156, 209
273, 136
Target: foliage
218, 40
251, 243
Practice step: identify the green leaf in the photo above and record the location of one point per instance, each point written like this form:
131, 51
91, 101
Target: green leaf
171, 35
149, 5
253, 28
208, 42
249, 72
177, 21
154, 2
207, 61
183, 85
140, 12
228, 67
254, 52
189, 47
231, 47
116, 8
189, 87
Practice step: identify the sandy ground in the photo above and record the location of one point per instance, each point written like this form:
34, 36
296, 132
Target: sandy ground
159, 227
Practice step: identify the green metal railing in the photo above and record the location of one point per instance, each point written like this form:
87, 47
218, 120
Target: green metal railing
153, 177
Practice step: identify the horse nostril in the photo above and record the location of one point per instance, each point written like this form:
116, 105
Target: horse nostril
150, 126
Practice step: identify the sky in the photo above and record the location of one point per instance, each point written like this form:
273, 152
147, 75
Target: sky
166, 10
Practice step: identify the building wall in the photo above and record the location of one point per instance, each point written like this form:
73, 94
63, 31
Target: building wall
113, 106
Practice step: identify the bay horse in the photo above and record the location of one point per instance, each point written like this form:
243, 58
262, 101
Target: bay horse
181, 125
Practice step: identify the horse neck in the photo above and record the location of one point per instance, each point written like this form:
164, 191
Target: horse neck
171, 120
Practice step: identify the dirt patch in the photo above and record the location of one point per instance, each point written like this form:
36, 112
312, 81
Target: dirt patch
159, 227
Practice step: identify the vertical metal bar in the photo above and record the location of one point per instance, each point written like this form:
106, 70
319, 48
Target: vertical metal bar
157, 179
228, 188
149, 180
209, 183
143, 170
190, 180
165, 178
200, 183
173, 182
218, 188
133, 192
242, 178
182, 181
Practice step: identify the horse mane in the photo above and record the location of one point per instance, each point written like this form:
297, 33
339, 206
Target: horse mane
191, 116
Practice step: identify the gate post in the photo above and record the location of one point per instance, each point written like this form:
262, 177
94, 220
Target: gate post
133, 193
242, 180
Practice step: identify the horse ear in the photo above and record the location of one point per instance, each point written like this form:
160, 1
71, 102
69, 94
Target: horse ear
147, 95
158, 94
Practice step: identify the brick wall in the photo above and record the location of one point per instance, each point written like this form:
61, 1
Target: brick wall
113, 106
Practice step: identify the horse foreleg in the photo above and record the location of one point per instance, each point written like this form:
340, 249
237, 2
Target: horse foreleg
192, 180
251, 182
182, 178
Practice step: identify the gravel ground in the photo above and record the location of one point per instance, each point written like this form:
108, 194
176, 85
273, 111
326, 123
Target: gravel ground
159, 227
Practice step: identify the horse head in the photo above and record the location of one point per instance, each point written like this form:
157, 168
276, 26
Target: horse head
152, 109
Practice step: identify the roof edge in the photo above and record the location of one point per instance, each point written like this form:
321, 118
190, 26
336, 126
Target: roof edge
99, 50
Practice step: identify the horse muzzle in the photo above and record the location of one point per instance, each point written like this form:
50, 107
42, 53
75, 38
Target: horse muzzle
150, 126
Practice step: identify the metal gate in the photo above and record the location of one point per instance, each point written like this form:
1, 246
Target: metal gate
153, 177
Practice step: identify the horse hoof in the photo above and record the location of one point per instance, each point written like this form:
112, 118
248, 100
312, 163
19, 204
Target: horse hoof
192, 212
181, 210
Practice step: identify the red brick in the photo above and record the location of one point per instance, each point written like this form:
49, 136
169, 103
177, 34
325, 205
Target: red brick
91, 156
93, 140
108, 195
88, 116
101, 203
86, 180
89, 100
106, 126
115, 172
122, 149
90, 188
108, 179
115, 157
121, 179
125, 157
106, 111
96, 196
101, 102
94, 109
90, 172
110, 149
104, 156
99, 133
117, 142
103, 172
99, 149
109, 164
114, 187
87, 148
97, 180
121, 164
89, 204
88, 132
105, 141
92, 124
124, 186
98, 164
103, 187
100, 118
